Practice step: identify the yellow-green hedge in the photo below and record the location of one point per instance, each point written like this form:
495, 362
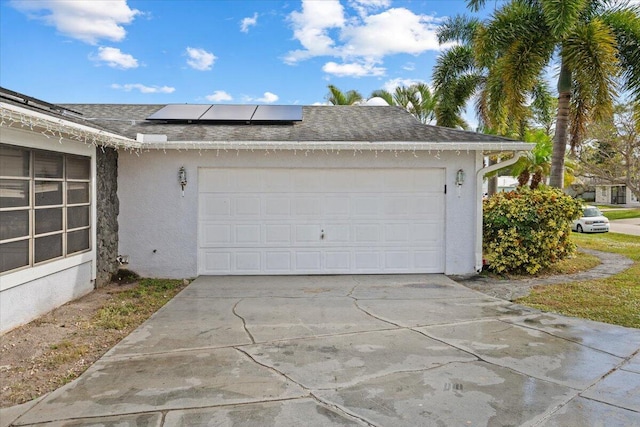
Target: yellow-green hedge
527, 230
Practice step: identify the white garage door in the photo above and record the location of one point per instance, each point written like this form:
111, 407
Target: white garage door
320, 221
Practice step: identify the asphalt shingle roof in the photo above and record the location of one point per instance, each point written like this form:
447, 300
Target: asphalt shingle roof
319, 123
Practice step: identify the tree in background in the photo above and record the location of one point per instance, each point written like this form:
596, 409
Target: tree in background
337, 97
596, 44
612, 151
417, 99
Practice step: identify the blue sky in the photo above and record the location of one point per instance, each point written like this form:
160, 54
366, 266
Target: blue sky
260, 51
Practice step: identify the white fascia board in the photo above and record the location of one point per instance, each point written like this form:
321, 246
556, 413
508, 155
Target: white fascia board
341, 145
13, 116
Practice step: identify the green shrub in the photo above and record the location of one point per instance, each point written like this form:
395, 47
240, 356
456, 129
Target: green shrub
528, 230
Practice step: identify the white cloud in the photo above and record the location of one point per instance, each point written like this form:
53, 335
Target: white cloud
409, 66
323, 28
88, 21
352, 69
115, 58
218, 96
143, 89
200, 59
364, 7
311, 28
248, 22
390, 32
268, 98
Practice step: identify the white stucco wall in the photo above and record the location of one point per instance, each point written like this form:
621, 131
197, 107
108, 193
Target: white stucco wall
158, 227
28, 293
21, 304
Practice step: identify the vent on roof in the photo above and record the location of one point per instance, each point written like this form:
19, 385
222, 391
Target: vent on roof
228, 114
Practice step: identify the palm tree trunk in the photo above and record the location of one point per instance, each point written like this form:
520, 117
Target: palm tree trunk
562, 125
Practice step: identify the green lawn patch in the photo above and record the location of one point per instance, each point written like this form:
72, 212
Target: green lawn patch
622, 214
614, 300
133, 306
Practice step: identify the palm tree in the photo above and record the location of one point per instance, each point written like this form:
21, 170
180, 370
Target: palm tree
337, 97
595, 44
536, 164
456, 77
417, 99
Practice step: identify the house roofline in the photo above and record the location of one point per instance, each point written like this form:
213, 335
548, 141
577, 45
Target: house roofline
13, 116
340, 145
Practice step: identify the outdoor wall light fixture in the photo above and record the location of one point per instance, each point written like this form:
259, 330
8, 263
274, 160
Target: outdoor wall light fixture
182, 176
459, 177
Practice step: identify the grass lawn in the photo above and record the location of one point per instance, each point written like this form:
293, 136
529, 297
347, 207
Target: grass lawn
613, 300
622, 214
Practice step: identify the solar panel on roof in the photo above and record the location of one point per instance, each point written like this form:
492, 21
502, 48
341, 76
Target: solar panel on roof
278, 113
229, 113
180, 112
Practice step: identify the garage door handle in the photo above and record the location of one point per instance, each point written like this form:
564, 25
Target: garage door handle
321, 234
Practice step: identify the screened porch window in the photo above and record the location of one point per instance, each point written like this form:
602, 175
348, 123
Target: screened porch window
45, 206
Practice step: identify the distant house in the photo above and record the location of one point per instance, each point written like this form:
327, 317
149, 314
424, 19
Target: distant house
609, 194
187, 190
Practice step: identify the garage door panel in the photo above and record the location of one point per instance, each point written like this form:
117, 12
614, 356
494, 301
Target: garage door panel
337, 206
429, 261
308, 206
397, 260
366, 206
337, 260
248, 234
367, 260
276, 233
397, 233
277, 207
312, 221
308, 260
247, 206
214, 180
215, 235
276, 181
427, 232
248, 261
213, 207
216, 262
367, 233
276, 262
337, 233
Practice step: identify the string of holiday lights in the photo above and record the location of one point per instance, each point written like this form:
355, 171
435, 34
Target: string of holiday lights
52, 127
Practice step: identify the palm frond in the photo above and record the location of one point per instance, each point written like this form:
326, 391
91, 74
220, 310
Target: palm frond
384, 94
563, 15
591, 54
460, 28
625, 25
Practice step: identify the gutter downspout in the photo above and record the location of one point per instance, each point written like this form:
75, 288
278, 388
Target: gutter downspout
479, 179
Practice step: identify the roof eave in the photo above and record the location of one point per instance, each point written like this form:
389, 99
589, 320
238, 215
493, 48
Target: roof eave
342, 145
12, 116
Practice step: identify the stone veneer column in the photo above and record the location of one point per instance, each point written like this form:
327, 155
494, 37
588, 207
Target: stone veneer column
108, 207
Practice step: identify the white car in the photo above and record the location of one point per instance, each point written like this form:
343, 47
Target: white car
591, 221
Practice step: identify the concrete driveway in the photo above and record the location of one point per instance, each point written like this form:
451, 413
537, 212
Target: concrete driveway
417, 350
